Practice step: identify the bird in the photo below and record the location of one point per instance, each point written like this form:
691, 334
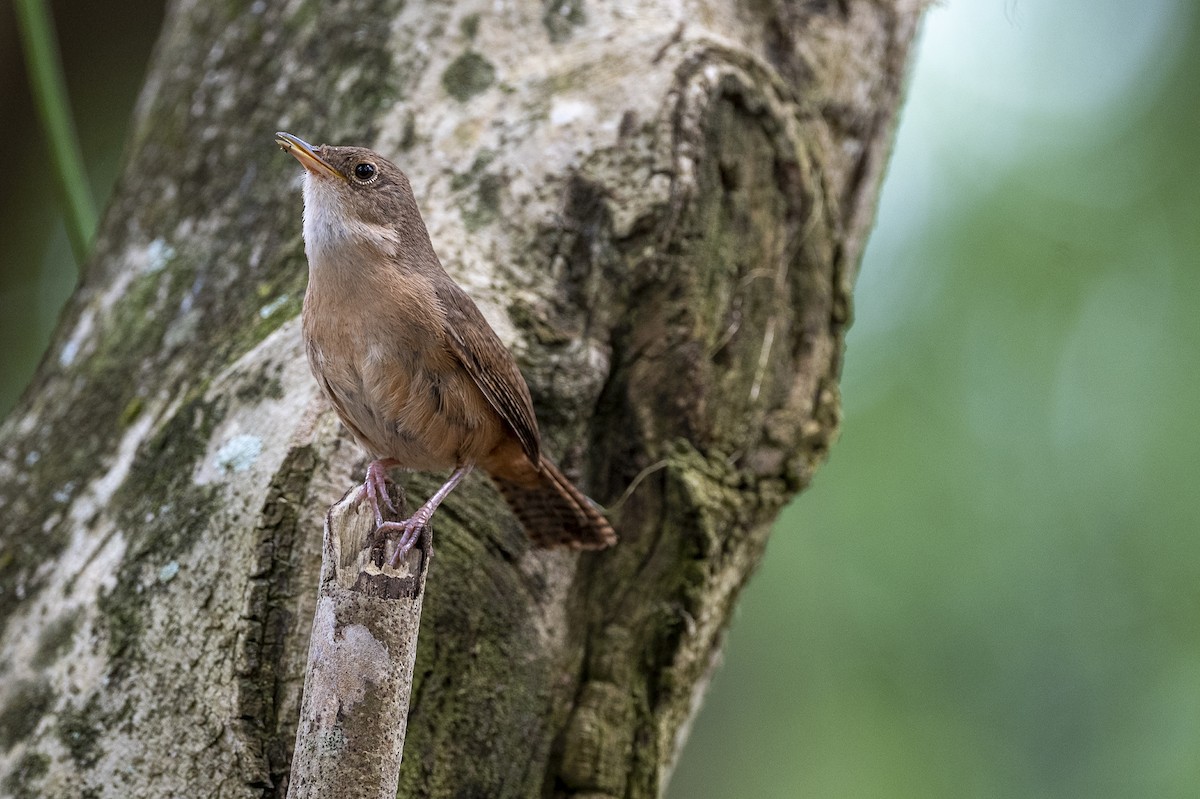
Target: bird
408, 361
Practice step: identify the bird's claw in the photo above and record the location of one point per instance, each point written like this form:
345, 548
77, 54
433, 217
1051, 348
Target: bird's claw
409, 530
375, 490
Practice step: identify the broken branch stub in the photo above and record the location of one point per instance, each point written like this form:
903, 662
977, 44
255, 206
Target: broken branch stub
353, 716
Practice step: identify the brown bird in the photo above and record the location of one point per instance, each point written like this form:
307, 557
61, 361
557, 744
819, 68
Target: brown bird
410, 364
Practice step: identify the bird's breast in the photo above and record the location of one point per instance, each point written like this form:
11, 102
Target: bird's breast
384, 364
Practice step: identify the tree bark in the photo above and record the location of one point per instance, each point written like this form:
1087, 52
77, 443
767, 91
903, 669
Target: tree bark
358, 680
660, 208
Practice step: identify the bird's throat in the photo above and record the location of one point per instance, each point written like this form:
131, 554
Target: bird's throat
335, 240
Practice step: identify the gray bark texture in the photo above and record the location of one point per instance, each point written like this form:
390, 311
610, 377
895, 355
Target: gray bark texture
357, 685
660, 207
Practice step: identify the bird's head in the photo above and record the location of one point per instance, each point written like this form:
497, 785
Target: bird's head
353, 195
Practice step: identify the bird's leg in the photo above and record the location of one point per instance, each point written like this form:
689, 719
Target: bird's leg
413, 525
375, 488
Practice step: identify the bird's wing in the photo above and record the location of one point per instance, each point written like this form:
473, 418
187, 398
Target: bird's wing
490, 365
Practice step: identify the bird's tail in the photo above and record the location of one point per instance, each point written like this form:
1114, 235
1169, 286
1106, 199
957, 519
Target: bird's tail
555, 513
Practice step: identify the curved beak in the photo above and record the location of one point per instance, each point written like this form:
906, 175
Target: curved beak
306, 154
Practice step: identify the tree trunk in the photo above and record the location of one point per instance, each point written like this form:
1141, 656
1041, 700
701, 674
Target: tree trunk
660, 207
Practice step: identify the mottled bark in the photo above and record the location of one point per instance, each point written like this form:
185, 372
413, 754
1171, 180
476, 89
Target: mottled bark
660, 207
361, 654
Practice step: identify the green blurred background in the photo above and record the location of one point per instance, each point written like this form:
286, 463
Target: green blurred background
993, 588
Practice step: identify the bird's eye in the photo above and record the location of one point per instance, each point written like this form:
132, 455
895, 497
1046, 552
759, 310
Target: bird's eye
364, 171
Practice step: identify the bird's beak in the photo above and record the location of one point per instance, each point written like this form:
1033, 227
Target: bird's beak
306, 154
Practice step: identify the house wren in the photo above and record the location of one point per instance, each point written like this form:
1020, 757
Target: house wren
409, 363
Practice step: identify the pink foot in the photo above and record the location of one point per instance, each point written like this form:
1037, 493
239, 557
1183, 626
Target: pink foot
419, 521
409, 530
375, 488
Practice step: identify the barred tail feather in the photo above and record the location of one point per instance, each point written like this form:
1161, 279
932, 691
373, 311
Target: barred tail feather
555, 513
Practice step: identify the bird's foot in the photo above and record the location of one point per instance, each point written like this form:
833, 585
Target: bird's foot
375, 488
409, 529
